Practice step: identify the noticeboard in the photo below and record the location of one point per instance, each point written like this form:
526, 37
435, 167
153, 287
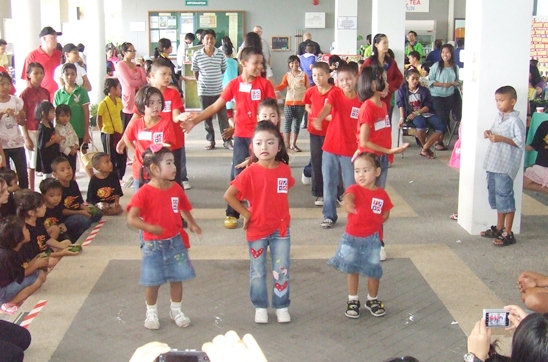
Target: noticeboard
281, 43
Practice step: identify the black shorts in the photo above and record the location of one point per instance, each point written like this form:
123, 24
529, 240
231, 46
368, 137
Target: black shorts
85, 146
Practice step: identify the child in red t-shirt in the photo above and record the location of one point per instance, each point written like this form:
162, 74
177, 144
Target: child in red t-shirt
265, 184
338, 147
147, 130
315, 99
368, 207
32, 96
248, 90
157, 209
374, 129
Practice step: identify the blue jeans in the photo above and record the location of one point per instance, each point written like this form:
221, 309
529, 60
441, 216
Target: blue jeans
78, 224
381, 180
240, 153
279, 253
501, 192
316, 144
332, 167
11, 290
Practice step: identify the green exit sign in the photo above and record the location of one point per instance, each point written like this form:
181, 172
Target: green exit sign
196, 2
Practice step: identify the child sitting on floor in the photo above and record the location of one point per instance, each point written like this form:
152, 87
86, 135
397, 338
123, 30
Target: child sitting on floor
17, 282
10, 183
52, 190
104, 189
79, 216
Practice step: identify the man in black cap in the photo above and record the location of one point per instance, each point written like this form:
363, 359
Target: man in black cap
47, 55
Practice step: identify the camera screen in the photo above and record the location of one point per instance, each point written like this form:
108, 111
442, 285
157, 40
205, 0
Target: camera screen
496, 319
181, 358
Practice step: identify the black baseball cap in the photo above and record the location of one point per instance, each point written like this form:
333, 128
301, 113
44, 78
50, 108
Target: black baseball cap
69, 47
48, 30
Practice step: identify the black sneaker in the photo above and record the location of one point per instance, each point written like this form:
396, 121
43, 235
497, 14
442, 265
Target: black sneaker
353, 309
376, 307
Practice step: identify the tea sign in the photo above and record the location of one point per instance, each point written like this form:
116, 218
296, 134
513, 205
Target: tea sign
417, 6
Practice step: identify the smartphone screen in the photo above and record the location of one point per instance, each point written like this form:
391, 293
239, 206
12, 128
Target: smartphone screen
495, 319
183, 356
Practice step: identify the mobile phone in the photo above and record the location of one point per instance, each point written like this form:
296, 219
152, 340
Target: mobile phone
187, 355
496, 318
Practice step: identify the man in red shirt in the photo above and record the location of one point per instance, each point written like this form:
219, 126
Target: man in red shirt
47, 55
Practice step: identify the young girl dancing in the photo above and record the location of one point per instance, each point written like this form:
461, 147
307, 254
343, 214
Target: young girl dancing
265, 184
374, 134
156, 209
359, 247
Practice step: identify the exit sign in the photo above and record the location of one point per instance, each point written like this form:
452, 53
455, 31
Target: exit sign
196, 2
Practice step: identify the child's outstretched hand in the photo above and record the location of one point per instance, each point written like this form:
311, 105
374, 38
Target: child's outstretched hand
349, 207
399, 149
243, 164
228, 133
195, 228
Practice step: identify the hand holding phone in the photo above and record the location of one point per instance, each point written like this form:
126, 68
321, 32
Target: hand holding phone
495, 318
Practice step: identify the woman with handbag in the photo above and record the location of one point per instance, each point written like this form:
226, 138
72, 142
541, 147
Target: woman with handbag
109, 121
444, 83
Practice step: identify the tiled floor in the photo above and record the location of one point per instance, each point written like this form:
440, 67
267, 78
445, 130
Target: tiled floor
437, 280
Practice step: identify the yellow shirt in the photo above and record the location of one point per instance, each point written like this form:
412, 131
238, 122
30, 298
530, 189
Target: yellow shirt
4, 61
110, 115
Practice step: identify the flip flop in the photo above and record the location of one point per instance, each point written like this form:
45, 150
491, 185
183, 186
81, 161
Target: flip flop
427, 153
296, 149
9, 308
440, 147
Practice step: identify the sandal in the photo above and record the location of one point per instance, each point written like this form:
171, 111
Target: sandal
427, 153
210, 146
493, 232
353, 309
441, 147
454, 216
504, 239
296, 149
9, 308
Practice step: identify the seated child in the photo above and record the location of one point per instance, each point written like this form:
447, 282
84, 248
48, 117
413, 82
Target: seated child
104, 189
535, 178
79, 216
31, 209
12, 181
52, 190
7, 204
17, 282
534, 293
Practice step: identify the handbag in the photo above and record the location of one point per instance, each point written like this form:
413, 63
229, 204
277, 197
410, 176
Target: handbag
88, 157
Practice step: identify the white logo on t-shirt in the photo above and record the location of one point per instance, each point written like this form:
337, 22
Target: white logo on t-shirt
255, 94
167, 106
376, 205
283, 186
354, 112
175, 204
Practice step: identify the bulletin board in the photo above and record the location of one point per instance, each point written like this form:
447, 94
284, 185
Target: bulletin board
173, 25
281, 44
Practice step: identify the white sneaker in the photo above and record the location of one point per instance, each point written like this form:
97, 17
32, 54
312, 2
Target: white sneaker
383, 254
319, 201
180, 318
306, 180
283, 315
261, 315
186, 185
151, 320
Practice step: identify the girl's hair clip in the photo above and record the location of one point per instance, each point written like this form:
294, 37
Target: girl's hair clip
156, 147
356, 154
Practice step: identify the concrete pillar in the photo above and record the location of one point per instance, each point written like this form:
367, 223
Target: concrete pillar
346, 27
486, 70
51, 13
95, 48
451, 21
388, 17
26, 14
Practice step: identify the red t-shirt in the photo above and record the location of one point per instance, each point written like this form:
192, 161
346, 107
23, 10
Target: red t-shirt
379, 125
370, 205
172, 100
339, 139
49, 63
12, 91
32, 96
162, 208
247, 96
143, 138
317, 101
266, 189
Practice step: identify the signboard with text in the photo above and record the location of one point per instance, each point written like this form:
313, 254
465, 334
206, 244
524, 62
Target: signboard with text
417, 6
196, 2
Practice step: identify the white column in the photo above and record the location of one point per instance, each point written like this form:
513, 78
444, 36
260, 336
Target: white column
51, 13
486, 70
346, 27
25, 15
451, 21
388, 17
95, 48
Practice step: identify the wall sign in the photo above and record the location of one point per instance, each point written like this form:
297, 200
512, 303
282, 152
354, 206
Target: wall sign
196, 2
347, 22
281, 43
417, 6
314, 20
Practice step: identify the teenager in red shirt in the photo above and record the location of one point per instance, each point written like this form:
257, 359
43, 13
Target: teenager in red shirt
315, 99
49, 56
32, 96
147, 130
157, 209
339, 146
247, 90
368, 207
265, 185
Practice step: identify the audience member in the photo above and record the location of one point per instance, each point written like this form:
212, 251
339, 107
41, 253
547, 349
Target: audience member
4, 61
72, 55
307, 40
534, 293
14, 340
104, 189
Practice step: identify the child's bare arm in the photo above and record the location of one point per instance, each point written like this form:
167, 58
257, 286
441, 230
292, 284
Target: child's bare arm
189, 123
134, 220
349, 205
232, 200
39, 261
385, 215
192, 225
